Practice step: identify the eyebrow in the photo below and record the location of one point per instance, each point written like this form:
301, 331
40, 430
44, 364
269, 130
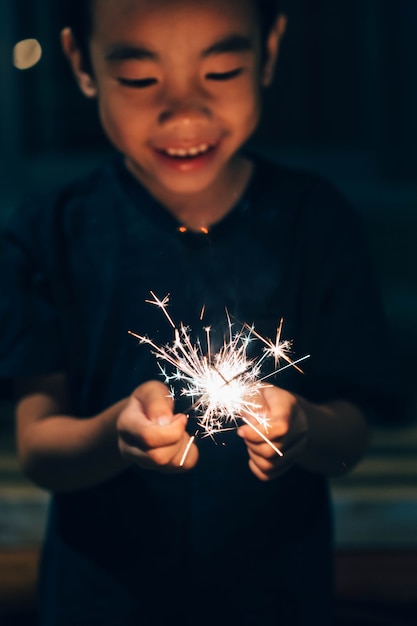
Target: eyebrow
124, 52
233, 43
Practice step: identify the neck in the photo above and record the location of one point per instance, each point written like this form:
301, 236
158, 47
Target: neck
198, 212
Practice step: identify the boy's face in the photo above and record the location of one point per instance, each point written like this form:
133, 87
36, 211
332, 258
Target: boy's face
178, 84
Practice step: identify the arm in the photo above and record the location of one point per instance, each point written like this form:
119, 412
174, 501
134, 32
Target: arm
327, 438
337, 438
61, 452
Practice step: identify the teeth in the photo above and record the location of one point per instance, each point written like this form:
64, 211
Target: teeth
184, 152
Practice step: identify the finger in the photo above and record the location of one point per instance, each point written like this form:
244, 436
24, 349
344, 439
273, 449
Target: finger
272, 418
164, 458
265, 461
269, 451
256, 433
268, 476
169, 459
281, 405
268, 471
156, 402
145, 434
257, 471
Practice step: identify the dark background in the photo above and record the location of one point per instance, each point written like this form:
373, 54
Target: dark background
344, 104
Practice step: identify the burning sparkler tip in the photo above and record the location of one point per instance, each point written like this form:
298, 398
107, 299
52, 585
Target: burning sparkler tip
222, 385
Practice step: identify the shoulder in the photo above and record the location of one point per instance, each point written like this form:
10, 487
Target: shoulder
307, 199
46, 214
297, 185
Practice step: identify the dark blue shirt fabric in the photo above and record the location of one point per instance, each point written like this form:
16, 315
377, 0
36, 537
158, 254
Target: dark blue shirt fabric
213, 545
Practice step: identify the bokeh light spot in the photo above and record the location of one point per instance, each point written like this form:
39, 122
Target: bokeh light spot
26, 53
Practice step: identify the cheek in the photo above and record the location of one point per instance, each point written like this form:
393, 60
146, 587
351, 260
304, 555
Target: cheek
247, 114
118, 119
244, 108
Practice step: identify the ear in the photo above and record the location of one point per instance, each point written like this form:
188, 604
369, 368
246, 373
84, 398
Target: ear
272, 49
74, 55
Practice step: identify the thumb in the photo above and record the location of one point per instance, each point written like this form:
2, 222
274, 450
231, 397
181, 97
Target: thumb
156, 402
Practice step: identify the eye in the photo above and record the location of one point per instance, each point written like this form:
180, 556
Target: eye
137, 83
219, 76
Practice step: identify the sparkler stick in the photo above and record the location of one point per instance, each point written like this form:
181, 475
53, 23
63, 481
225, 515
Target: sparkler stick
264, 437
187, 448
224, 385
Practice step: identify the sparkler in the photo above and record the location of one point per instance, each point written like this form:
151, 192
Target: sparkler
224, 386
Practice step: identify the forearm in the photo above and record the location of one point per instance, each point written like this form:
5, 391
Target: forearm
65, 453
337, 438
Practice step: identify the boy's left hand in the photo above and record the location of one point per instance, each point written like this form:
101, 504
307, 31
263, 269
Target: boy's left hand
287, 430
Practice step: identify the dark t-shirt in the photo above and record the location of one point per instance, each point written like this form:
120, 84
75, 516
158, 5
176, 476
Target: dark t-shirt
215, 542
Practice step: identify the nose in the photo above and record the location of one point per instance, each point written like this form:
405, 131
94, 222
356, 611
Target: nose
184, 104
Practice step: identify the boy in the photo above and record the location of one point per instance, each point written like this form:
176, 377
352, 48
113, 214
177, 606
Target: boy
236, 534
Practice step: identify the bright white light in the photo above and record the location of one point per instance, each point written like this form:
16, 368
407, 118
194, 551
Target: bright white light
26, 53
224, 386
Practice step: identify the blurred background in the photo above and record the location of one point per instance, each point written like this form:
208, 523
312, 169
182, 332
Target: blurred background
344, 104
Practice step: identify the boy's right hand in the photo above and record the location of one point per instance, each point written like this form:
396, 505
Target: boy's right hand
149, 433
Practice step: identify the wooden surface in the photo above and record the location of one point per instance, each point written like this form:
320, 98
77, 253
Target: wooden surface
364, 576
380, 576
18, 575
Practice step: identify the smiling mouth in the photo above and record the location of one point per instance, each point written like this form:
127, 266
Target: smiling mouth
187, 153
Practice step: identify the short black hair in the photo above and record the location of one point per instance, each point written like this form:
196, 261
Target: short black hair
80, 13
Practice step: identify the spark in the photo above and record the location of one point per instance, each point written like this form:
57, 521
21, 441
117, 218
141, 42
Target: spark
278, 349
224, 386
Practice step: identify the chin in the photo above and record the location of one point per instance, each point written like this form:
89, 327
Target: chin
186, 183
